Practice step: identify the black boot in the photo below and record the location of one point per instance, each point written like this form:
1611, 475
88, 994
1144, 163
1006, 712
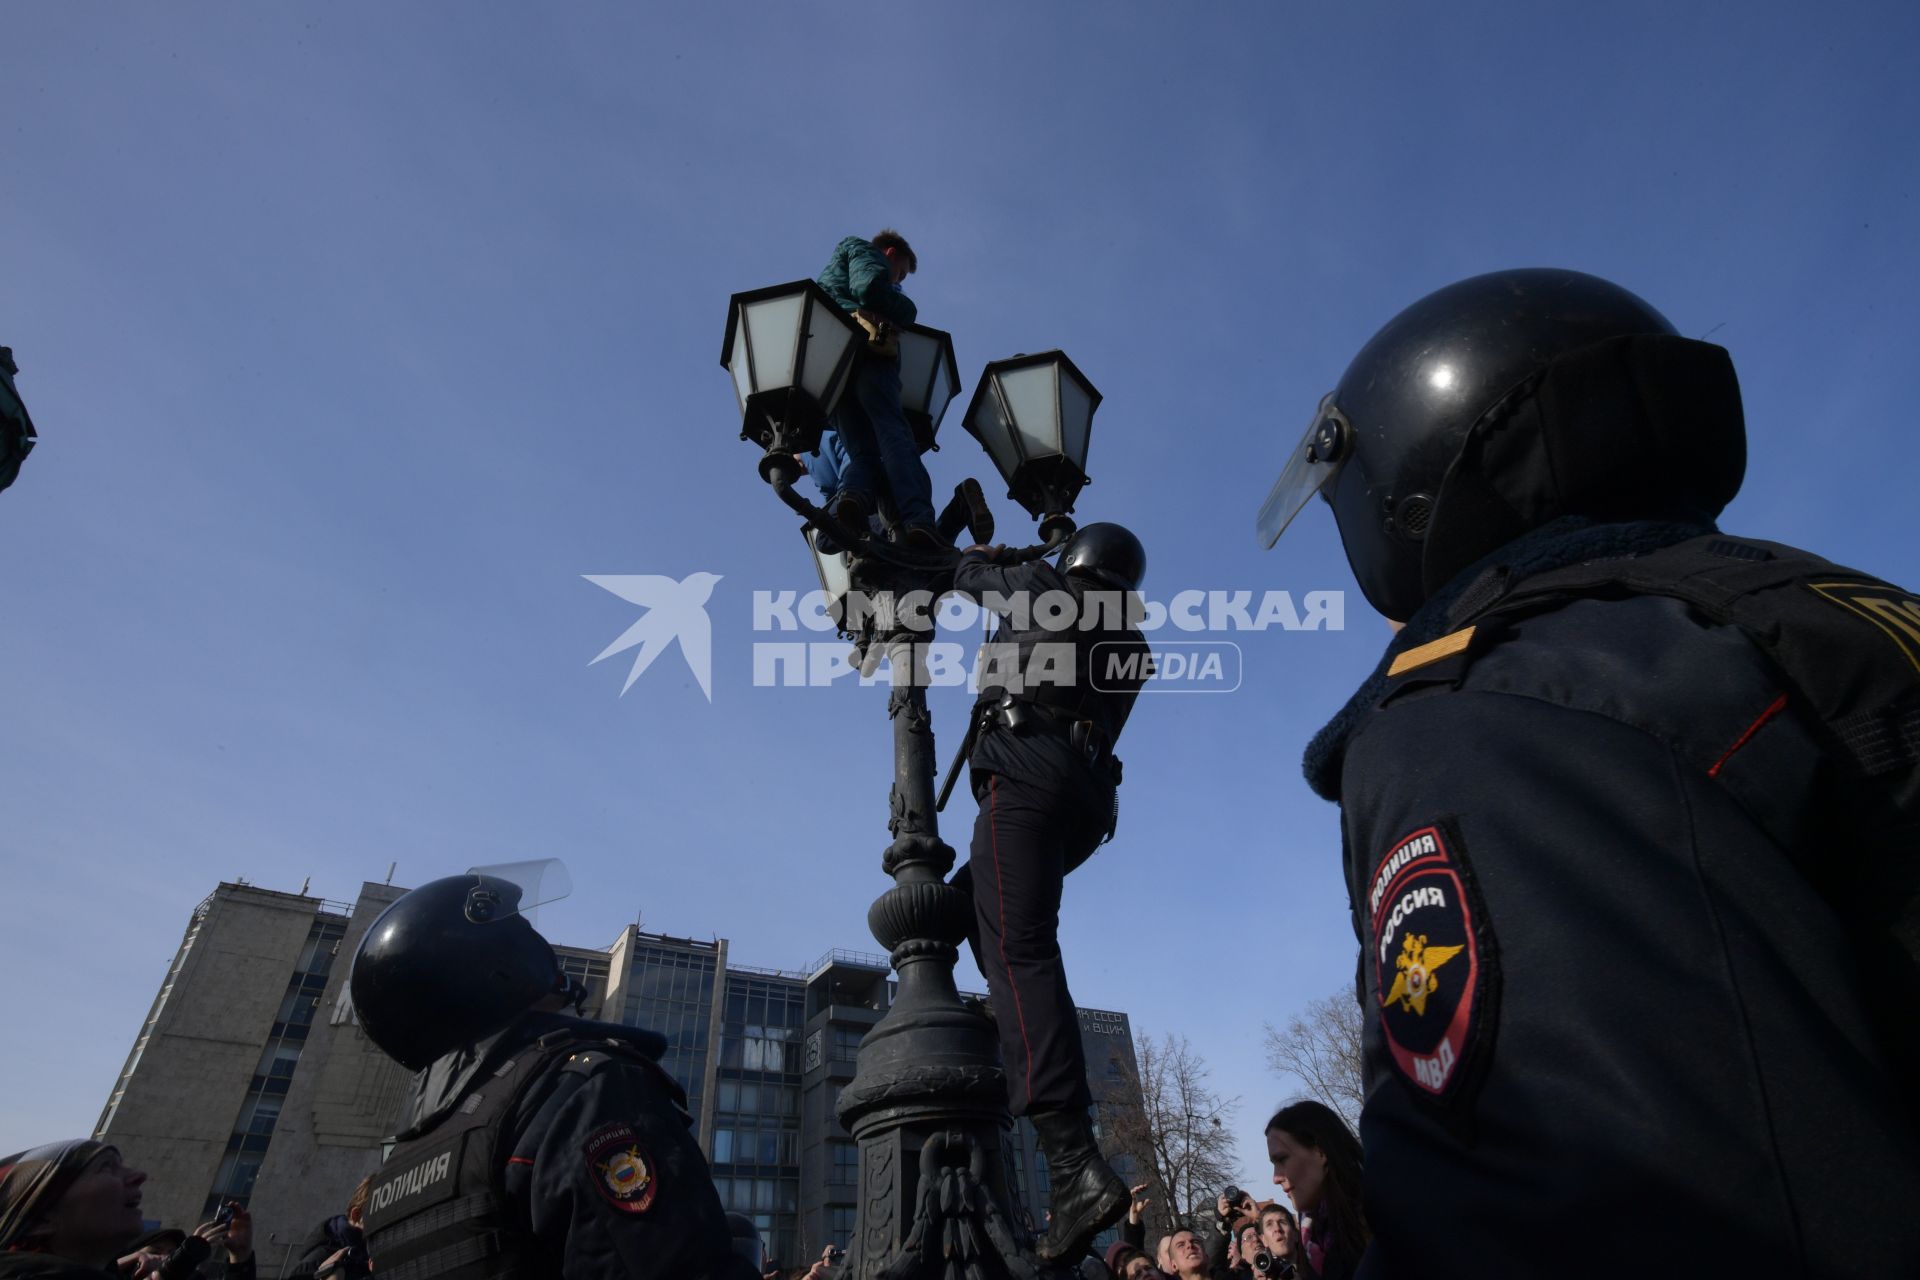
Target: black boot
1088, 1196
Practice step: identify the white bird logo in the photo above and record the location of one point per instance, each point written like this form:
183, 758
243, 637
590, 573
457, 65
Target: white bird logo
674, 611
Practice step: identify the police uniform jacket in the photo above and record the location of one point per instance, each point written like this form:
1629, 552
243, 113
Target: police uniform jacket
1631, 864
557, 1148
1071, 672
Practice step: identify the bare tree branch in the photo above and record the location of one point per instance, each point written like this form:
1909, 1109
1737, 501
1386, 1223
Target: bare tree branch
1180, 1134
1321, 1048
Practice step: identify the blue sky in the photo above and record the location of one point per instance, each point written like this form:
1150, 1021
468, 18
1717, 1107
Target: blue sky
357, 334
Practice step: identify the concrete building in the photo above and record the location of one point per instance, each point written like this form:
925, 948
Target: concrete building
250, 1079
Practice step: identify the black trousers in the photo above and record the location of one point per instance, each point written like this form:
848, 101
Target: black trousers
1025, 840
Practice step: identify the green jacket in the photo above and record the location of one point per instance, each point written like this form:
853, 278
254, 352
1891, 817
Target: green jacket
859, 275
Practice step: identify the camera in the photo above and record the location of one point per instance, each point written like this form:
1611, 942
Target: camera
1266, 1264
226, 1213
1233, 1195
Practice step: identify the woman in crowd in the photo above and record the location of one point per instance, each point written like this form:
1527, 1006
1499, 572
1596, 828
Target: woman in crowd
67, 1211
1316, 1161
71, 1211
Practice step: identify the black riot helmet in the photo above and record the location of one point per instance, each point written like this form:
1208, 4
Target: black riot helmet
1107, 553
449, 963
1503, 402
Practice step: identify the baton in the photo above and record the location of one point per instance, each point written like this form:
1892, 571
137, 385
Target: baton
959, 758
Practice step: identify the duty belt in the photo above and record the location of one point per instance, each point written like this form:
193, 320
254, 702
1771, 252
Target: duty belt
1088, 738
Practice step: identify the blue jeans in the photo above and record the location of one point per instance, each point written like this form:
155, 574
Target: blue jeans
870, 438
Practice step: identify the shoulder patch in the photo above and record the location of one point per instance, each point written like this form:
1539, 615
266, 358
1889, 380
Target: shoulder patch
1435, 973
620, 1168
1431, 652
1892, 610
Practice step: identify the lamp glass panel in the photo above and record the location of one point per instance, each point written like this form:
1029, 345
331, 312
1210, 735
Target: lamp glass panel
1076, 419
918, 352
772, 327
943, 391
995, 432
835, 577
1031, 396
946, 385
742, 385
829, 334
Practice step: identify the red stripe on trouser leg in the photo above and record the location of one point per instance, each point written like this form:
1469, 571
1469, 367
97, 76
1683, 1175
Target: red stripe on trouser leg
1000, 901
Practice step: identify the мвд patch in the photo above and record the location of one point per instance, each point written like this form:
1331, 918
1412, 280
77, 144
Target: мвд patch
620, 1168
1432, 961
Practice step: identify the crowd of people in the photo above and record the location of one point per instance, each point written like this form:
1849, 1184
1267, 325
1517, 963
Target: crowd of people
72, 1210
1318, 1233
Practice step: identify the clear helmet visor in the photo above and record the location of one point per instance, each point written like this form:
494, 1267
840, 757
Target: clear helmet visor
1316, 459
503, 890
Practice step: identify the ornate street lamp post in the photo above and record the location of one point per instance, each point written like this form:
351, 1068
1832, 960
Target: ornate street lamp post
17, 436
928, 1100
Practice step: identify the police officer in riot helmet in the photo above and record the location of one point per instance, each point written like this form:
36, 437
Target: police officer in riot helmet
1058, 682
1631, 812
536, 1144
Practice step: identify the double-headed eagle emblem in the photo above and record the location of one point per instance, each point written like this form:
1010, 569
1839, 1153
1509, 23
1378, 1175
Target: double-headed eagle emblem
1415, 981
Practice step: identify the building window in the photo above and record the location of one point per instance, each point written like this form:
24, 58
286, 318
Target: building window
840, 1225
670, 991
845, 1169
266, 1112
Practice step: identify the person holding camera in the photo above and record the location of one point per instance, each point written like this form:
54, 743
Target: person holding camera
824, 1266
171, 1254
1246, 1243
337, 1248
1278, 1249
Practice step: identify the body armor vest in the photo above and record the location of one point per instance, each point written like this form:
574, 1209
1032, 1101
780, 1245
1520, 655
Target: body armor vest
1847, 648
1074, 674
438, 1210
